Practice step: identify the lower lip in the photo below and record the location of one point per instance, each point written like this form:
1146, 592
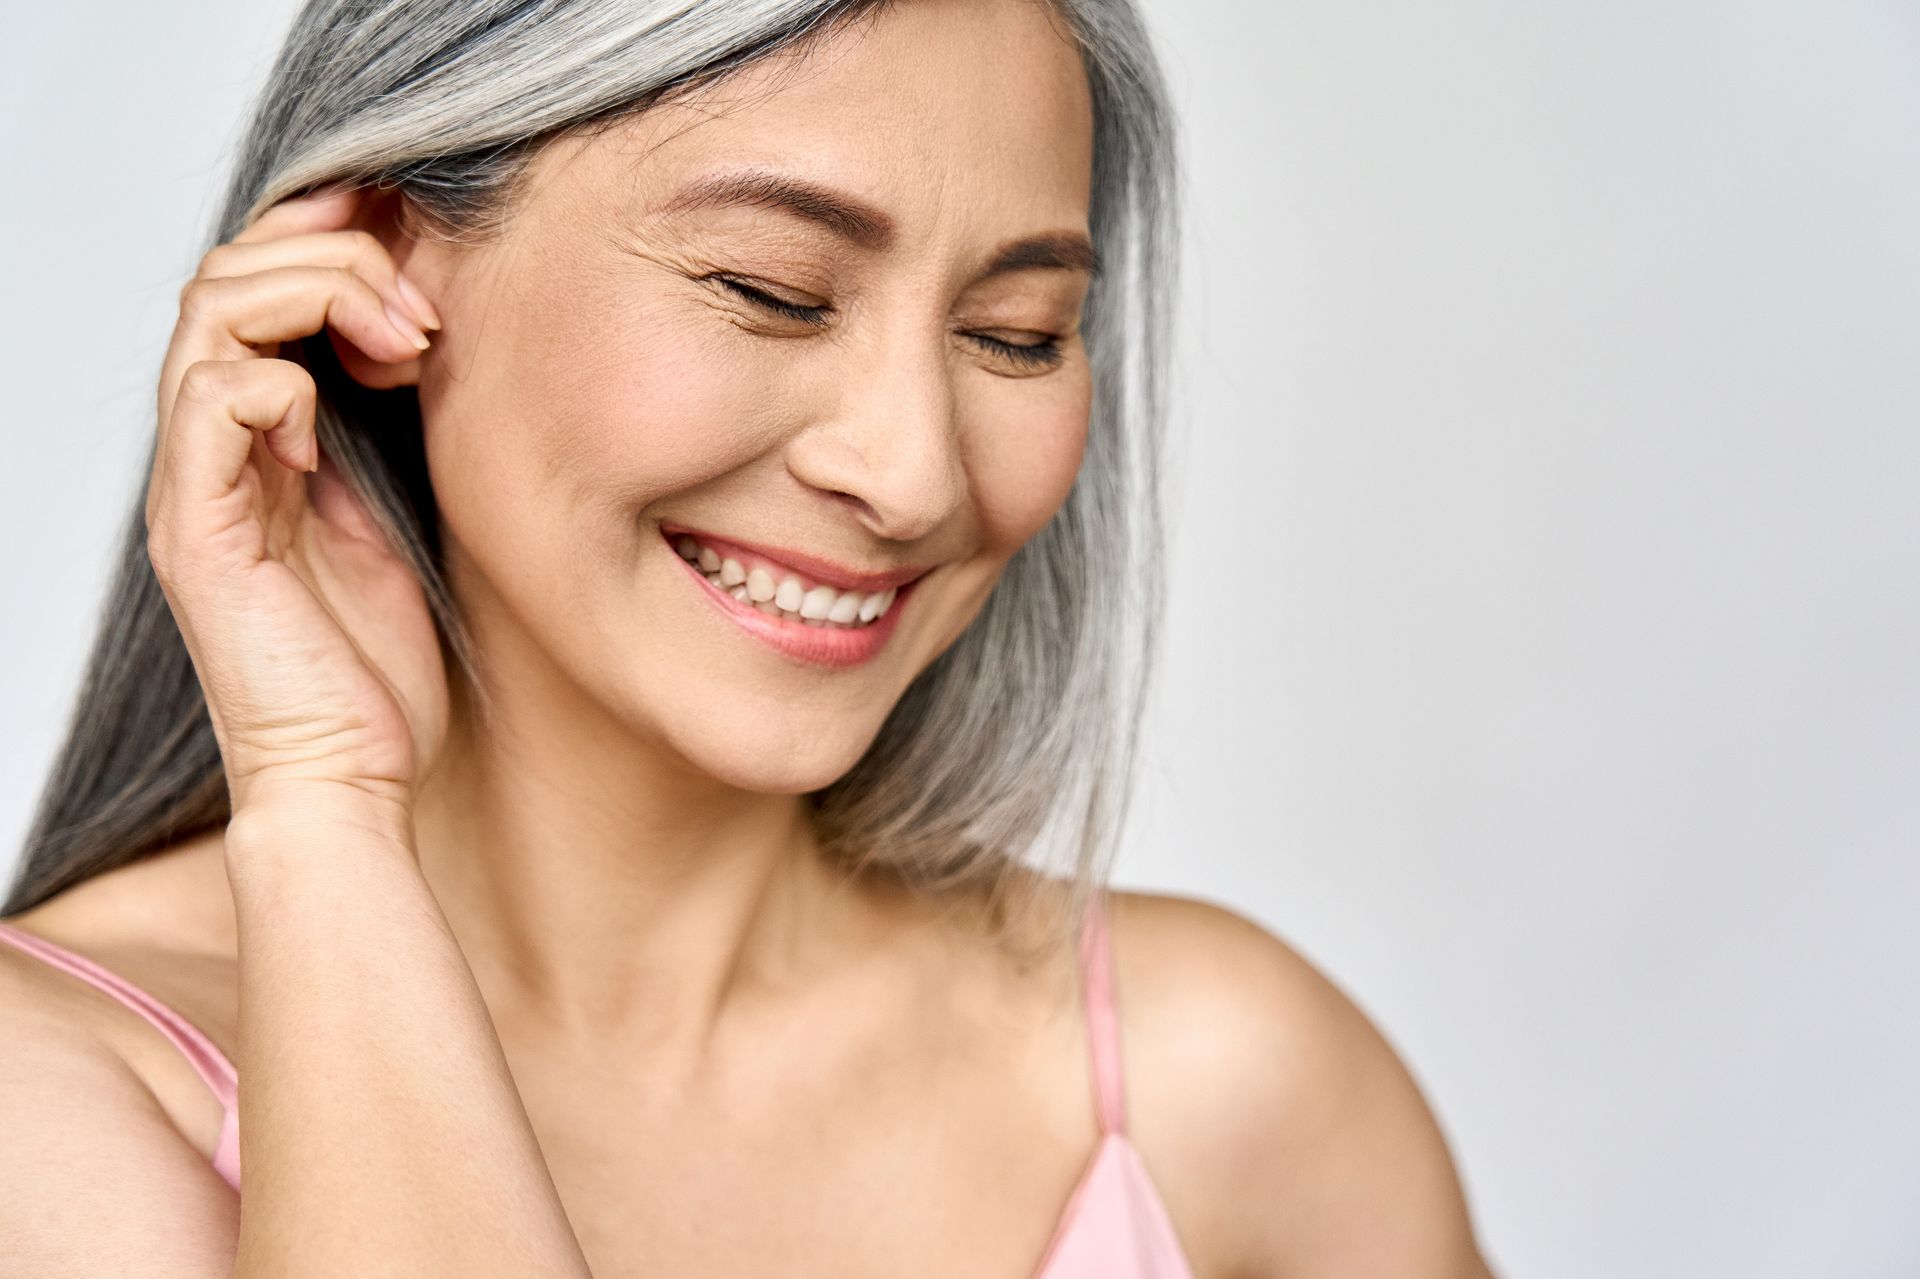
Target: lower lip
815, 645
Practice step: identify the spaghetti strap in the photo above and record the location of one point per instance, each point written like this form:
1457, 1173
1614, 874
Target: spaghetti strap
1103, 1024
202, 1053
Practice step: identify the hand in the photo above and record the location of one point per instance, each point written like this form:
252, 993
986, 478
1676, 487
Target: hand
311, 638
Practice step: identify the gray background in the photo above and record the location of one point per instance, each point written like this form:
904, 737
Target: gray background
1541, 659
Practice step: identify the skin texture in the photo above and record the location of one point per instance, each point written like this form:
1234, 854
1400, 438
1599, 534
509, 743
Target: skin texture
697, 1013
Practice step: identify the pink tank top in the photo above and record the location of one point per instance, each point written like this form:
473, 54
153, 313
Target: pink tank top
1114, 1224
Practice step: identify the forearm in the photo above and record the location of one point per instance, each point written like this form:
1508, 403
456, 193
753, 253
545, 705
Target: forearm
381, 1132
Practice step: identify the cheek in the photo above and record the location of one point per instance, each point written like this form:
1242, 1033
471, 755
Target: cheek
645, 395
1027, 442
603, 392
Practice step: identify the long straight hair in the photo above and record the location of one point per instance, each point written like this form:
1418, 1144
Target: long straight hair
1015, 748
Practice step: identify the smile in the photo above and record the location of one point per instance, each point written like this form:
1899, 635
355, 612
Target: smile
781, 592
794, 611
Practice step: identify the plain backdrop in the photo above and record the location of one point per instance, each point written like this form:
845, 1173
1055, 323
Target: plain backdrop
1541, 652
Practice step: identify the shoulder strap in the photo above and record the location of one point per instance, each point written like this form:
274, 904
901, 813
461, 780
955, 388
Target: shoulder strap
207, 1060
1103, 1024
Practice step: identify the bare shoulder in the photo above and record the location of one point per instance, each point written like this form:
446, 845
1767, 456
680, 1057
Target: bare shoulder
1284, 1120
153, 924
73, 1108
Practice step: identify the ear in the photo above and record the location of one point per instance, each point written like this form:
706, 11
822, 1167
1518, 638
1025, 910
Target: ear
378, 213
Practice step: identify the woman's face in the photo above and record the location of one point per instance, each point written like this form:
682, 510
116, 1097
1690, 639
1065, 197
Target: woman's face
823, 319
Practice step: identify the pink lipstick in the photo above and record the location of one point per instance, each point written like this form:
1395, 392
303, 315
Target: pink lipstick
818, 645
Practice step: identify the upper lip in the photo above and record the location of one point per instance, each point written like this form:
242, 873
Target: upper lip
823, 571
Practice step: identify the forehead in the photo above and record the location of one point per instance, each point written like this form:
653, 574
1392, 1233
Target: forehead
934, 110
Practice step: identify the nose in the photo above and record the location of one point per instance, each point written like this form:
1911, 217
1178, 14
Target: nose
889, 444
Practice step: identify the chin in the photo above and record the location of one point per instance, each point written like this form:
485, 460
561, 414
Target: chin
784, 752
766, 774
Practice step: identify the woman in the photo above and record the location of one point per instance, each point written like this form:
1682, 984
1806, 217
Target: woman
640, 659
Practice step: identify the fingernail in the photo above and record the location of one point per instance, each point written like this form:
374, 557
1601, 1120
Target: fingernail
404, 327
422, 309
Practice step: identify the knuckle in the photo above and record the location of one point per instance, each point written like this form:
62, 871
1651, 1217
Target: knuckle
203, 382
197, 296
367, 248
303, 380
294, 378
345, 279
214, 261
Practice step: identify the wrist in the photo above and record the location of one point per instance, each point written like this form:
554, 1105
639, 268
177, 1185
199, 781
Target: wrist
310, 820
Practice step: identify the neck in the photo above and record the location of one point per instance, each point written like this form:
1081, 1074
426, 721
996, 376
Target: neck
604, 889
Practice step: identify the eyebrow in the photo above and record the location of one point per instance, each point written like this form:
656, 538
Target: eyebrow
860, 223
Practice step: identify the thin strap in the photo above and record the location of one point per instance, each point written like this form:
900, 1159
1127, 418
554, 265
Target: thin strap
1103, 1023
202, 1053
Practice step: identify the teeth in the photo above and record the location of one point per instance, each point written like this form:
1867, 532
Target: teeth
818, 602
787, 596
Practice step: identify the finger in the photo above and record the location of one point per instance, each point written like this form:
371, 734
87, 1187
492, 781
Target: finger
226, 318
327, 208
354, 249
222, 405
331, 207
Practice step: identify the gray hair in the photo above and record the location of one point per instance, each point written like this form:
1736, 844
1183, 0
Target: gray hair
1017, 746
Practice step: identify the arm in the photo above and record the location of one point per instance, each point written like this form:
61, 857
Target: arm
381, 1130
381, 1133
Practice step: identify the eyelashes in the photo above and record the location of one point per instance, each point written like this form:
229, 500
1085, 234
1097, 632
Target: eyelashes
1036, 355
815, 315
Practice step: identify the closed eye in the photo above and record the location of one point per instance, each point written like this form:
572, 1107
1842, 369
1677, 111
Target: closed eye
779, 306
1043, 354
1033, 355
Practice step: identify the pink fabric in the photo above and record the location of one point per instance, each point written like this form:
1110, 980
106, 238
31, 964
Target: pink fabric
1114, 1224
207, 1060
